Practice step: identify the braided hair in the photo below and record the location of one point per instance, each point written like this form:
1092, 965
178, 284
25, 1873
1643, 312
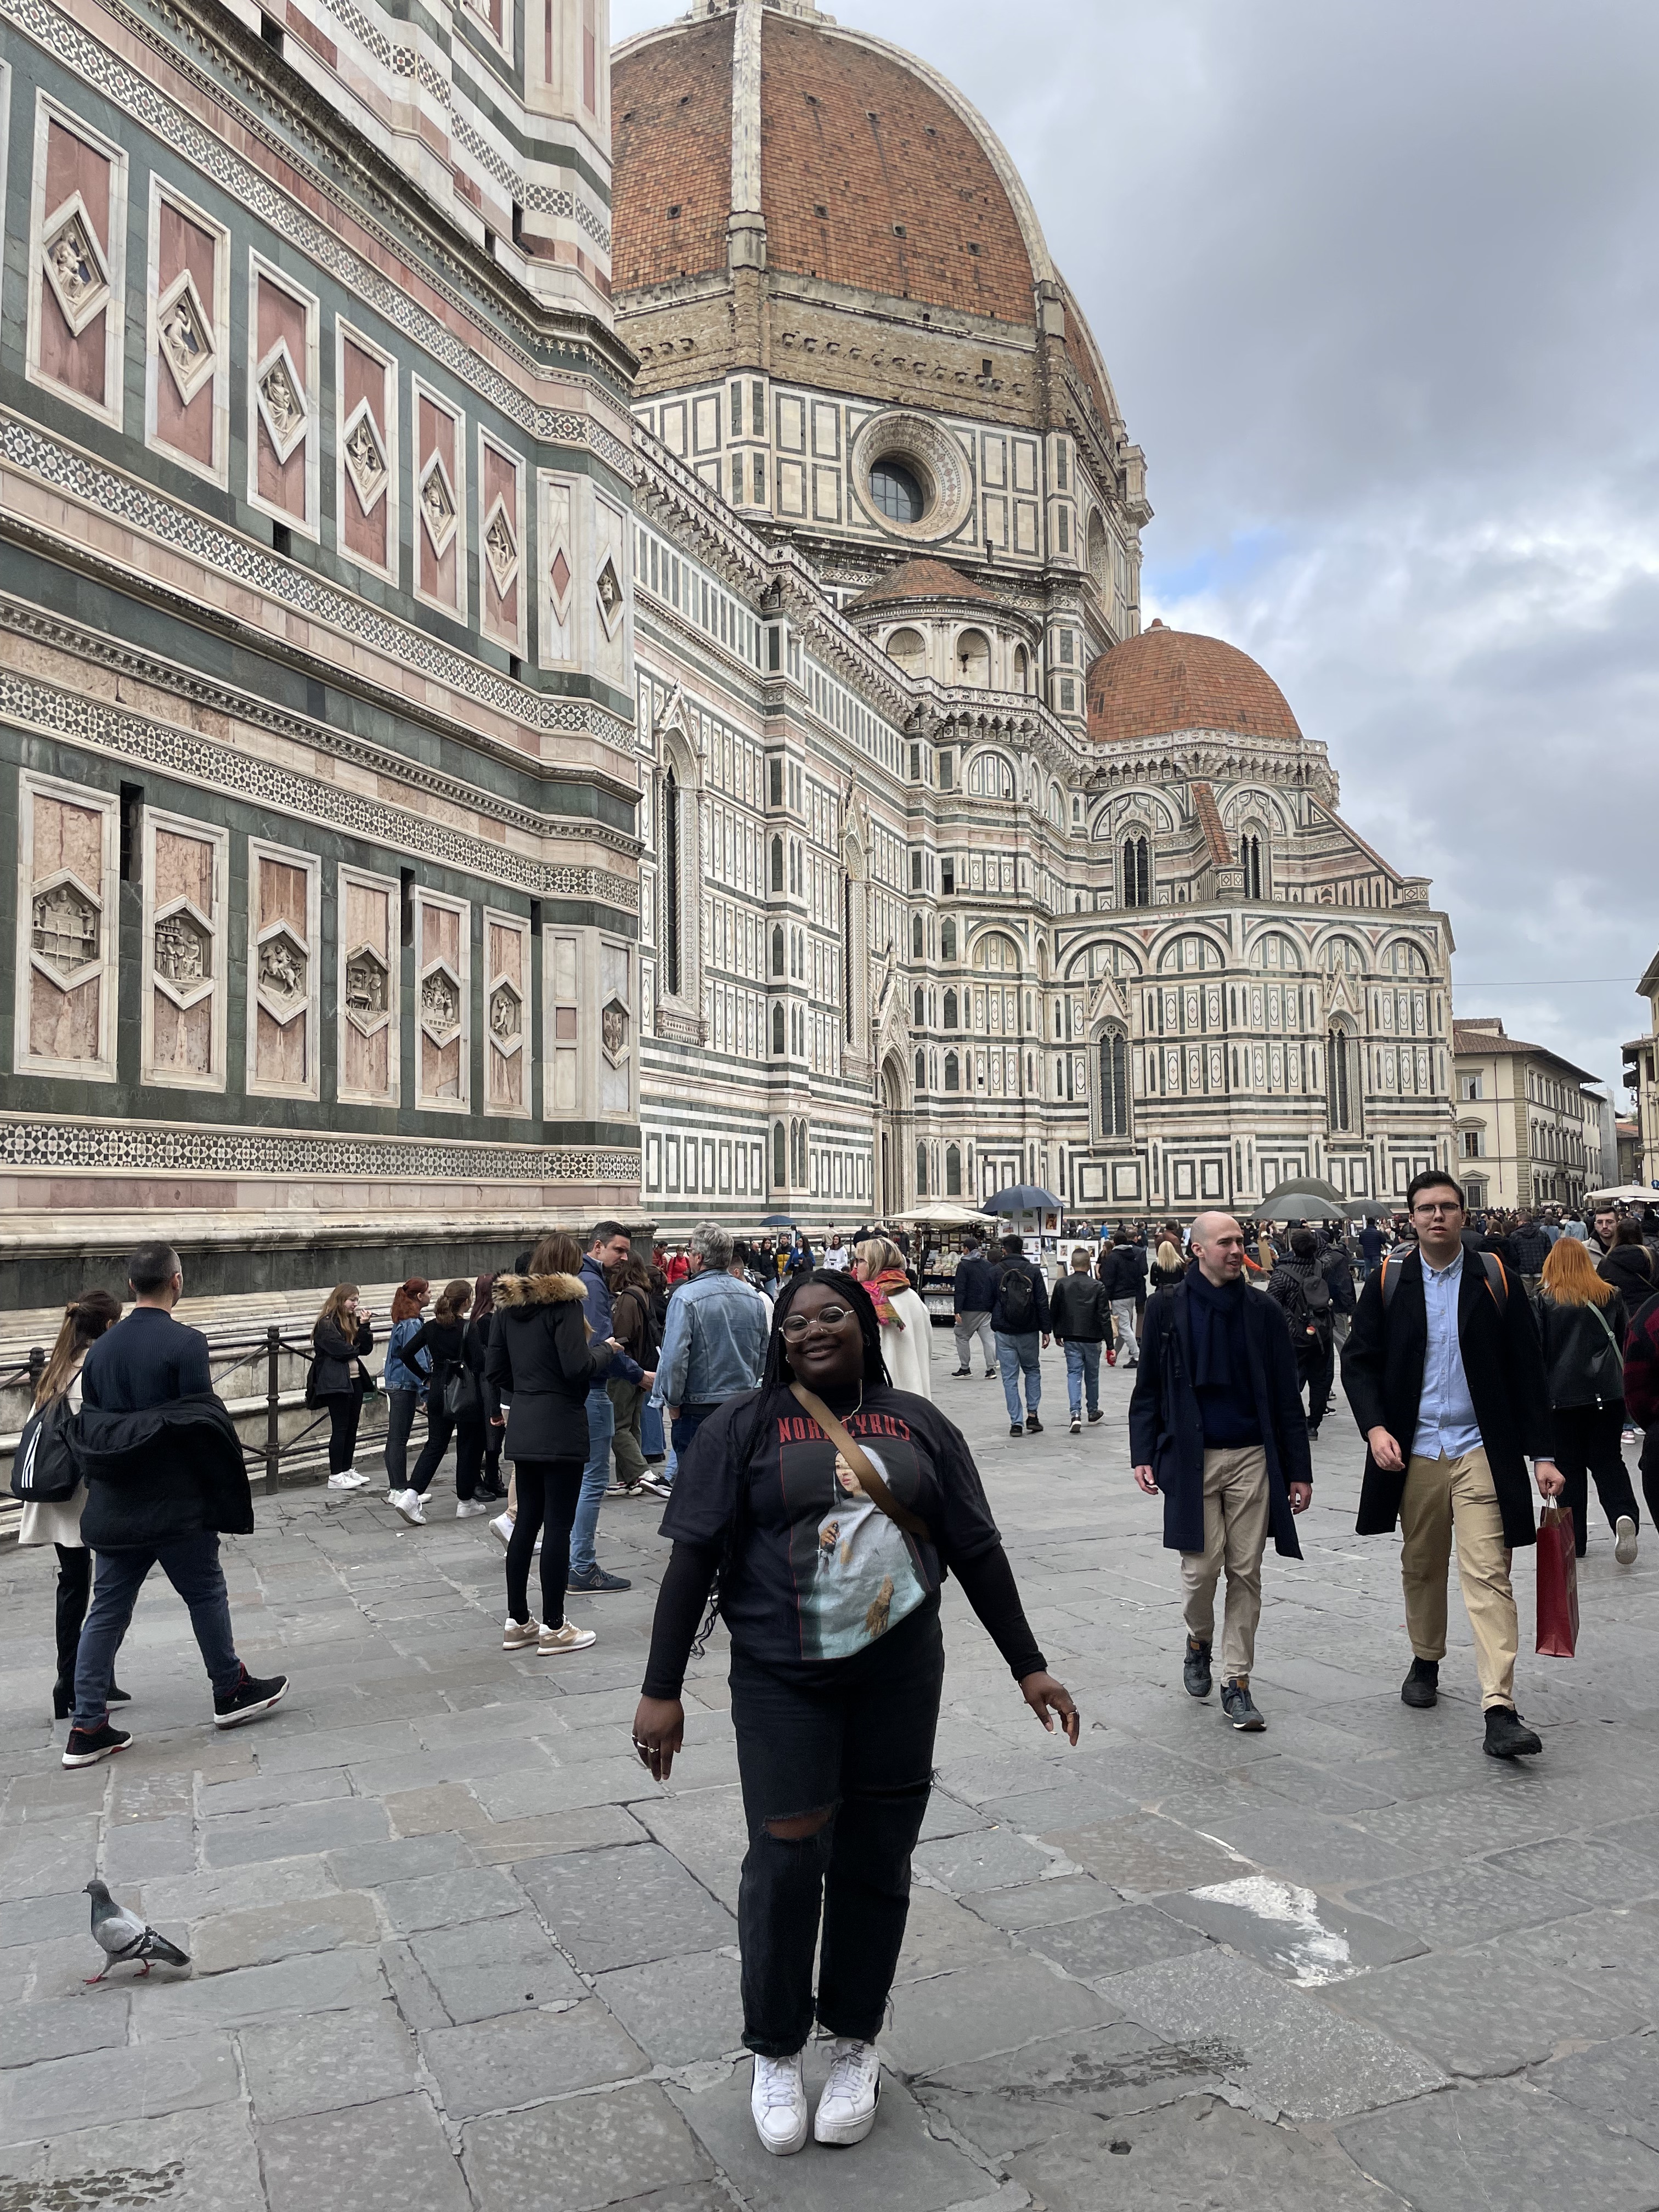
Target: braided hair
776, 1376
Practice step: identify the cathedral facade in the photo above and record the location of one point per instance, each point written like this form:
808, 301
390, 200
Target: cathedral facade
571, 642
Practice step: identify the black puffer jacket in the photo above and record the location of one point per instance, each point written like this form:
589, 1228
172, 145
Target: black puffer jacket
539, 1359
1123, 1272
335, 1373
1631, 1270
1583, 1360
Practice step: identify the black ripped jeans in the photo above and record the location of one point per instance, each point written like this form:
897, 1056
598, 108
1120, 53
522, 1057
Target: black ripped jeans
853, 1738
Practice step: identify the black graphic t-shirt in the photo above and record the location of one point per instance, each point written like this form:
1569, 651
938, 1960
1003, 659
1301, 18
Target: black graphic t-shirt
823, 1573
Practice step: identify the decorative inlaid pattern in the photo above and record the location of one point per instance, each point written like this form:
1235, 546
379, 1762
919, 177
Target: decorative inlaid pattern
24, 448
145, 1147
95, 65
89, 721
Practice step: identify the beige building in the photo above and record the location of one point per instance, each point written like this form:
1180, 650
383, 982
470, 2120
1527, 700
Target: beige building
1641, 1081
1528, 1127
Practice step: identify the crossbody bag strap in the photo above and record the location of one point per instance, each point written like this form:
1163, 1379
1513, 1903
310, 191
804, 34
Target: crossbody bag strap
1607, 1327
859, 1460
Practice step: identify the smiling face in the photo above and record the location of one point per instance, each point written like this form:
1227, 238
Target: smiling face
820, 1340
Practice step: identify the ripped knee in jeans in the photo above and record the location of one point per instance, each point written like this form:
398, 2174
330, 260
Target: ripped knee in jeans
797, 1827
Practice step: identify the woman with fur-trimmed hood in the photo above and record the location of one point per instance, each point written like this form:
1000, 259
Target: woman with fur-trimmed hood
541, 1361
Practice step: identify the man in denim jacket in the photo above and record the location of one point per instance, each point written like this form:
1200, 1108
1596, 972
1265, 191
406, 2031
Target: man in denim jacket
714, 1342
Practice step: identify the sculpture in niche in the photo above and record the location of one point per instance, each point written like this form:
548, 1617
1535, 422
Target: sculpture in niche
365, 463
181, 951
366, 997
501, 549
281, 402
186, 343
506, 1016
440, 1002
283, 970
63, 928
437, 507
610, 595
75, 268
613, 1027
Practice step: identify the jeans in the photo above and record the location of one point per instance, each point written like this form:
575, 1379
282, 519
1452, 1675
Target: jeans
860, 1750
546, 1490
970, 1326
601, 1421
1588, 1441
343, 1415
1017, 1355
1128, 1351
1082, 1372
399, 1420
690, 1419
74, 1592
191, 1564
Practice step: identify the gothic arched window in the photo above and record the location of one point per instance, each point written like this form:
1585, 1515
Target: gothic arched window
952, 1072
777, 1025
1137, 872
1114, 1084
950, 1009
953, 1171
671, 882
1338, 1081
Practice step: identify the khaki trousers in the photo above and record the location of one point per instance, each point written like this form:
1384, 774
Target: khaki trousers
1443, 1498
1235, 1535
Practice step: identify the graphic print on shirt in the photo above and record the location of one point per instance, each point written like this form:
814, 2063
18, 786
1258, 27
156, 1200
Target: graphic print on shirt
857, 1572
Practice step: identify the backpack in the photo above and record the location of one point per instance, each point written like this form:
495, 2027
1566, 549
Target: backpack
1307, 1298
1497, 1283
43, 1466
1019, 1301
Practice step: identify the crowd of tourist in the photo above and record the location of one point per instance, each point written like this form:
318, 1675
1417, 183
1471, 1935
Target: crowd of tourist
779, 1401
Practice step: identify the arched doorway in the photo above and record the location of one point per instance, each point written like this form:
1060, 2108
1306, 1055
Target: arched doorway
891, 1131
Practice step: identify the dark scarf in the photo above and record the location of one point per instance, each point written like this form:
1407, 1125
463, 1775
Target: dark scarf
1220, 1361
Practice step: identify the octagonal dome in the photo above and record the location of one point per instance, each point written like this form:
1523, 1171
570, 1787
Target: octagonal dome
1165, 680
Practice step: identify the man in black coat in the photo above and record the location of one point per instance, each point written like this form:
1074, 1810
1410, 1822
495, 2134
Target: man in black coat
1445, 1376
974, 1294
1216, 1424
1123, 1287
165, 1477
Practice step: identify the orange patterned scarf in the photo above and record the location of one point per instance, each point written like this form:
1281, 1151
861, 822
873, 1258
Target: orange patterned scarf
881, 1288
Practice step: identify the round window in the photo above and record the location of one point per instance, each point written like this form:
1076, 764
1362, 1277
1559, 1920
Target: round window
896, 491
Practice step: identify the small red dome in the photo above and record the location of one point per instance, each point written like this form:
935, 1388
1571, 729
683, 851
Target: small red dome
1165, 680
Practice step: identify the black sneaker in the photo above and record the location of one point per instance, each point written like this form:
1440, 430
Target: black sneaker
1238, 1707
1422, 1686
595, 1583
1077, 1424
993, 1375
1507, 1735
1195, 1668
85, 1746
1033, 1426
1313, 1432
253, 1696
1017, 1428
962, 1370
1095, 1416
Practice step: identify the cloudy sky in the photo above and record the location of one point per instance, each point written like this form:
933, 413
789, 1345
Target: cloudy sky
1377, 281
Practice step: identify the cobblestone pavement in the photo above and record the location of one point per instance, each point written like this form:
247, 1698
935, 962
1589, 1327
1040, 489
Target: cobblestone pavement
454, 1949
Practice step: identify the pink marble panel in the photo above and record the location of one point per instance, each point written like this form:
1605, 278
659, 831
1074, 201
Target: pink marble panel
73, 166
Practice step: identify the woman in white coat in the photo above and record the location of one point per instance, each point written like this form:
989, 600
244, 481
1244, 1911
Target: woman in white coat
58, 1522
907, 1327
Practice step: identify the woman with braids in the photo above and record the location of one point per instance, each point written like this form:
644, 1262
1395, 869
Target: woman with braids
58, 1521
824, 1511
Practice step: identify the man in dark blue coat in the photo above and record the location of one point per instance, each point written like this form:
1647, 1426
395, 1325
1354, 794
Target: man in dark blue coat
1216, 1424
975, 1293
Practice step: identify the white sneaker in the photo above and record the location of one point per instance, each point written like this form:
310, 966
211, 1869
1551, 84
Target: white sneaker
565, 1638
468, 1509
1624, 1541
502, 1529
777, 2099
345, 1482
847, 2110
407, 1502
519, 1635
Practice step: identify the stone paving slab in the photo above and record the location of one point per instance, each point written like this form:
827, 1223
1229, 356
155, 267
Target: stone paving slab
1503, 2143
524, 1990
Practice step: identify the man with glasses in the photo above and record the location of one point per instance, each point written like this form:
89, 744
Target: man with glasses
1444, 1373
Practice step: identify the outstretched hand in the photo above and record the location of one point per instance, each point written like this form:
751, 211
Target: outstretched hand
1047, 1698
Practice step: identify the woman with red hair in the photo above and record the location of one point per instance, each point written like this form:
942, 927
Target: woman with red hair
1582, 1322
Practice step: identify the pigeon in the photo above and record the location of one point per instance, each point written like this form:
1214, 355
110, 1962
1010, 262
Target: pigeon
123, 1936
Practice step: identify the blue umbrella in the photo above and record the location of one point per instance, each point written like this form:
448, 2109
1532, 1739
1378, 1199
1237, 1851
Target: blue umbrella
1024, 1198
777, 1221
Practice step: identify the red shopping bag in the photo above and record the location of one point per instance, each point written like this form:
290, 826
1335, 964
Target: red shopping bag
1557, 1585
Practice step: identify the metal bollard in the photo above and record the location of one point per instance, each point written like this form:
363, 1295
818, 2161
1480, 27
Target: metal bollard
273, 1426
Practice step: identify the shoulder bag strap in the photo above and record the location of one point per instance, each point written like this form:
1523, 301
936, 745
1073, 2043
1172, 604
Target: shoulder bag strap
859, 1460
1607, 1327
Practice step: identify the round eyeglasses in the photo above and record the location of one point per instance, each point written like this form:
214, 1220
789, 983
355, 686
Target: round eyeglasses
796, 1325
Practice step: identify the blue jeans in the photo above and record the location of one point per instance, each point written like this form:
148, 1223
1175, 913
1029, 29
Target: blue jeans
690, 1420
1082, 1368
1015, 1355
192, 1565
601, 1426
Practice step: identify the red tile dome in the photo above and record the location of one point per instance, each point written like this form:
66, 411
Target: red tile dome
1166, 680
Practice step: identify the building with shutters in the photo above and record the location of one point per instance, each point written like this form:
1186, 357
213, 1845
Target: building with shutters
1529, 1121
570, 642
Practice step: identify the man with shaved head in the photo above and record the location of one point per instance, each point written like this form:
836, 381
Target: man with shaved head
1216, 1424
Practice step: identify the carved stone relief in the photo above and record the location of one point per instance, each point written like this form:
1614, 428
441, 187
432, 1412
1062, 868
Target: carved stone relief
282, 401
187, 337
64, 931
440, 1005
183, 952
365, 461
74, 266
438, 506
366, 995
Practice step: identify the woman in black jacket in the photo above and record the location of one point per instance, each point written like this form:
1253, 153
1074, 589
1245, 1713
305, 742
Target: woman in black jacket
1629, 1267
341, 1340
1582, 1322
489, 1484
540, 1359
443, 1339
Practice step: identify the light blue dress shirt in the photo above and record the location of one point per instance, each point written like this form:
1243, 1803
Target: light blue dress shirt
1445, 1413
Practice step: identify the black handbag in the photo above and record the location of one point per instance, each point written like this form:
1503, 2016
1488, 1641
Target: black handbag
461, 1396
